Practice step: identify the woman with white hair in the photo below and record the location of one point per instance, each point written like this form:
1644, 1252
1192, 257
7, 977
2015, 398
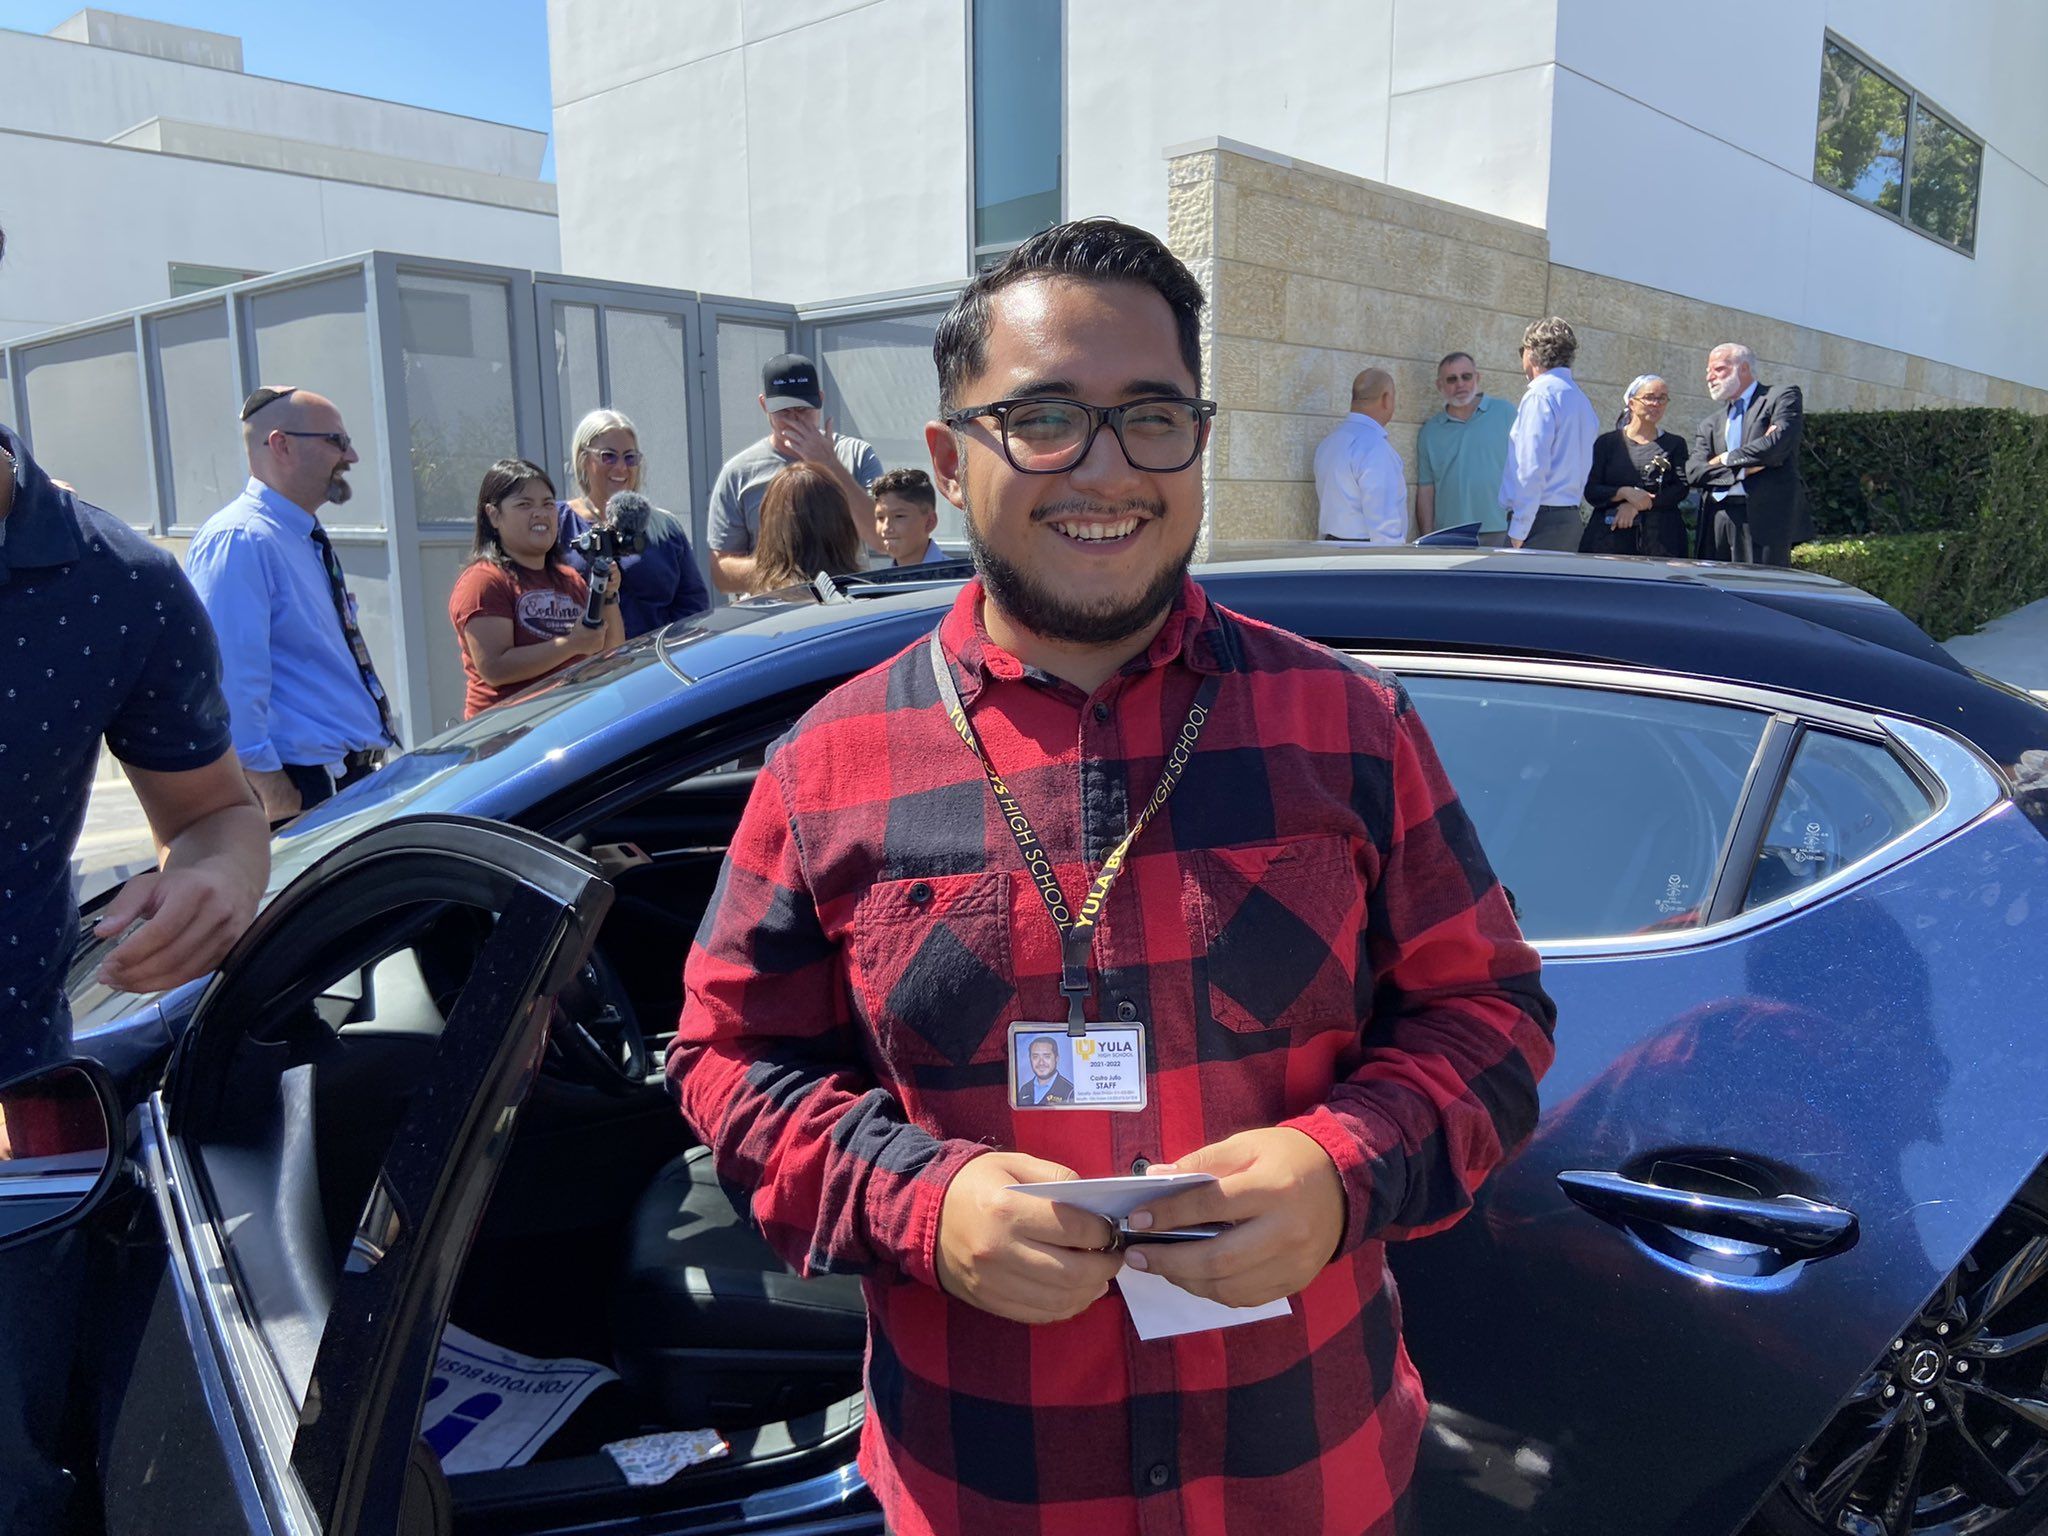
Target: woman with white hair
1638, 480
662, 584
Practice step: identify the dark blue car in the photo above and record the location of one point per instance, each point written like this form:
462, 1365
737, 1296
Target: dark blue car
1773, 1260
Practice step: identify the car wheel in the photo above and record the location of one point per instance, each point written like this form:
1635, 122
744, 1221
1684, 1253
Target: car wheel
1948, 1433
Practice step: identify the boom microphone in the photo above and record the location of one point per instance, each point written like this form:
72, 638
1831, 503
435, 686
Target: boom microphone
629, 513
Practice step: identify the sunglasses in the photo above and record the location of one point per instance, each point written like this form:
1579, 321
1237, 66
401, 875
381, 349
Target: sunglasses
611, 458
339, 440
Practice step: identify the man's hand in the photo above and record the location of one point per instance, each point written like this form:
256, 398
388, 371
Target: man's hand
801, 438
280, 796
192, 918
1020, 1256
1282, 1193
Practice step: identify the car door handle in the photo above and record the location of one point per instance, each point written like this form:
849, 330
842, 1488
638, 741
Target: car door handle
1790, 1225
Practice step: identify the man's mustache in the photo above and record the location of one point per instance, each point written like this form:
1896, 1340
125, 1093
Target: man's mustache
1077, 507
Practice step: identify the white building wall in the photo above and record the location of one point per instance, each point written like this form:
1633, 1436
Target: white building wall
1378, 88
793, 150
72, 257
73, 90
93, 227
1682, 158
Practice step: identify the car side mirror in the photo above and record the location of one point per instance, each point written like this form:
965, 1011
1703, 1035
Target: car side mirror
57, 1128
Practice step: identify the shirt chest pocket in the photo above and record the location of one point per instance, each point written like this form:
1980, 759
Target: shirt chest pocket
931, 970
1278, 927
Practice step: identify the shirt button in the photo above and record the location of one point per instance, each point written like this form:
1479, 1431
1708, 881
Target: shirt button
1101, 711
1157, 1474
1139, 1165
920, 892
1127, 1010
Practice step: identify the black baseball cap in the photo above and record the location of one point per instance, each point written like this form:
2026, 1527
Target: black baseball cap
789, 380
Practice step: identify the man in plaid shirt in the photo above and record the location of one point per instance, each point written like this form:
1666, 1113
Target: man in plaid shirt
1339, 1017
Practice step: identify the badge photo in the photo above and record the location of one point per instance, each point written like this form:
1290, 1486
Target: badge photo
1102, 1069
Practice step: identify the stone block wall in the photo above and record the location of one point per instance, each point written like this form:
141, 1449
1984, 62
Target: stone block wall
1313, 275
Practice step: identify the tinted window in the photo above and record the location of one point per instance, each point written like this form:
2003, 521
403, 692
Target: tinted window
1842, 801
1603, 813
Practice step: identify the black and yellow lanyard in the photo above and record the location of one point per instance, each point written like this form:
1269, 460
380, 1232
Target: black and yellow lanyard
1077, 929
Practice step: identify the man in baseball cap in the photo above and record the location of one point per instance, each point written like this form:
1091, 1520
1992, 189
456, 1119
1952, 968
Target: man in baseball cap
793, 402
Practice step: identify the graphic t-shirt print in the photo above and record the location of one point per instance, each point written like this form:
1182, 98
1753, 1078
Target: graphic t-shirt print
547, 612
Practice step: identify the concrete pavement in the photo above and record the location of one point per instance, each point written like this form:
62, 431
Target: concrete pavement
2013, 648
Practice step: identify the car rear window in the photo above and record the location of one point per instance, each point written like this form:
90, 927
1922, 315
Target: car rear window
1603, 812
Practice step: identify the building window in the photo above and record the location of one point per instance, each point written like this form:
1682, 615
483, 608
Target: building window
189, 278
1019, 121
1883, 145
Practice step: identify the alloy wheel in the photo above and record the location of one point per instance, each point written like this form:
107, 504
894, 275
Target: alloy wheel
1947, 1435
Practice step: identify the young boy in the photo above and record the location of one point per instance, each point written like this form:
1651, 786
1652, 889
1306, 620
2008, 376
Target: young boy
906, 512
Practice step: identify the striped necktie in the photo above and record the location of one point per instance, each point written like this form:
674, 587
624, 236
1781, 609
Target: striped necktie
337, 584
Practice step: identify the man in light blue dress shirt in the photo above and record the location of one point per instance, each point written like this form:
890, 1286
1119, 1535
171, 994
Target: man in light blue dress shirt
1550, 449
305, 712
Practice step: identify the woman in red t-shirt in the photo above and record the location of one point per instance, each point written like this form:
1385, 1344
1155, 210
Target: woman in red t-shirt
517, 608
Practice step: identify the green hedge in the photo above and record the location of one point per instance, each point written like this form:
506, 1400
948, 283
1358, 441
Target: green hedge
1952, 539
1887, 472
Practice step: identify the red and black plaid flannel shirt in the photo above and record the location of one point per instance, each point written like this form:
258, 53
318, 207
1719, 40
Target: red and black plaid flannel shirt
1313, 938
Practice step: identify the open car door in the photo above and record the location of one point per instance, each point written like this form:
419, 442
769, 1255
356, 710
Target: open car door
328, 1136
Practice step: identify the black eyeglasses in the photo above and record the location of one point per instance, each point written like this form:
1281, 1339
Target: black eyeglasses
339, 440
1047, 435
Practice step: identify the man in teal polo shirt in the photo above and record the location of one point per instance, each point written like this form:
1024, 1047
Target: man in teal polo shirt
1459, 455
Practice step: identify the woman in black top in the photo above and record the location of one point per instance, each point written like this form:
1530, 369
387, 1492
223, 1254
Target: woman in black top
1638, 481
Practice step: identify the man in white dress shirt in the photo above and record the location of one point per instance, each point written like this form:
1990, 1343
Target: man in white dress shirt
1360, 487
1550, 450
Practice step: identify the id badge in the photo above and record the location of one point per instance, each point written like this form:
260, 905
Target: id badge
1103, 1069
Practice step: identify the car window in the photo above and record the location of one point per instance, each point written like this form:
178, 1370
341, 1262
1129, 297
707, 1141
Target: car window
1843, 800
1603, 812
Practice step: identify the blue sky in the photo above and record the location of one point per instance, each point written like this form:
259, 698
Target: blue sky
482, 58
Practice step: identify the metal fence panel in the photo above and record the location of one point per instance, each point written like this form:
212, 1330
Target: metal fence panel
84, 397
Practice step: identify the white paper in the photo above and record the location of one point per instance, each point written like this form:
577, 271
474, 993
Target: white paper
490, 1407
1114, 1198
650, 1460
1160, 1309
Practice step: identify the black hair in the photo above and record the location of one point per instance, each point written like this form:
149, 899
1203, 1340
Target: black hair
500, 481
1099, 250
913, 485
1452, 357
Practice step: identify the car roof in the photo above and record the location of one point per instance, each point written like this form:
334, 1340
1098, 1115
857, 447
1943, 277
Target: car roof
1784, 629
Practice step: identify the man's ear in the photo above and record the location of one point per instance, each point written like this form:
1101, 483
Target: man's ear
948, 462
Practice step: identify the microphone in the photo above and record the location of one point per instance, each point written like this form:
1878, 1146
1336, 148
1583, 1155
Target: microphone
629, 514
623, 532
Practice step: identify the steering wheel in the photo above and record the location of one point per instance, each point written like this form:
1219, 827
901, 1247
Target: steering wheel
595, 1037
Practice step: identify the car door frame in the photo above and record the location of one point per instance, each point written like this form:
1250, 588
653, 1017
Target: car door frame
338, 1461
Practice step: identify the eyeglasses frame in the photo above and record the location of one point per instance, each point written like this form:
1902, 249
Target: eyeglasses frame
1099, 416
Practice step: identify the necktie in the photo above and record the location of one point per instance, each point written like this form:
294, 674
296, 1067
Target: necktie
338, 589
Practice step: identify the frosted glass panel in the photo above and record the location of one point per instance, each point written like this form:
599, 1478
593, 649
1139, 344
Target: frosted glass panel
650, 383
576, 376
743, 351
440, 564
198, 410
313, 337
455, 335
880, 385
85, 419
368, 569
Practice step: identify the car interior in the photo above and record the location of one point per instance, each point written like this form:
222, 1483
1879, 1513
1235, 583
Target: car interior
607, 1237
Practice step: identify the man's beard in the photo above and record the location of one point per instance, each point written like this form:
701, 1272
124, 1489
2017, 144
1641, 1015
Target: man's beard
1724, 391
1044, 612
339, 490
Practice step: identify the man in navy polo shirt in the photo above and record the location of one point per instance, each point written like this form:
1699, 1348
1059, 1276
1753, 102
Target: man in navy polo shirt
101, 636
